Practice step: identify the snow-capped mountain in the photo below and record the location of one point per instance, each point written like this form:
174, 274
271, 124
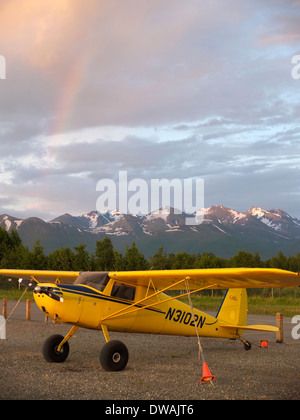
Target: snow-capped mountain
9, 222
88, 221
277, 220
224, 231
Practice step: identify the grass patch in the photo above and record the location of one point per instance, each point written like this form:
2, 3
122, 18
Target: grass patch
257, 305
287, 305
15, 294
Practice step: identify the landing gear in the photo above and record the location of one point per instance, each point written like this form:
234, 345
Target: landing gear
114, 356
56, 347
247, 344
50, 349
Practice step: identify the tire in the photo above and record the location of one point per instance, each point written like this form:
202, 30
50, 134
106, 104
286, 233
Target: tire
247, 346
50, 352
114, 356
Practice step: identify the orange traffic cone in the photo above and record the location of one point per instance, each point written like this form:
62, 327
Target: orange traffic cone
207, 377
264, 344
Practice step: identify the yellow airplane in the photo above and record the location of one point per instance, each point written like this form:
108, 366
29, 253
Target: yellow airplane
135, 301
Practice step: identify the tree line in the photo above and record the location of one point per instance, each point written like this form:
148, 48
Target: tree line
13, 254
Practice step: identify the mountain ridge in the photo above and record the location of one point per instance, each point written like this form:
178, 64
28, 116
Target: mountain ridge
224, 231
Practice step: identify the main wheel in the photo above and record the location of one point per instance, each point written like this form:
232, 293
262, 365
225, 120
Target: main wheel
114, 356
50, 352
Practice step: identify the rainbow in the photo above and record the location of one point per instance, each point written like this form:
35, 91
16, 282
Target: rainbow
72, 84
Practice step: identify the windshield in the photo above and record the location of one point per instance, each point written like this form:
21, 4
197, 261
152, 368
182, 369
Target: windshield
97, 279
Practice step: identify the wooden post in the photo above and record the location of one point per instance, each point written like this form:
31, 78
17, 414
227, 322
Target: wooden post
28, 309
4, 310
279, 324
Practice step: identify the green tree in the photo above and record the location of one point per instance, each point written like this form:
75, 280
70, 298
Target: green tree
183, 260
209, 260
294, 263
105, 257
14, 238
81, 259
17, 257
246, 259
120, 263
61, 259
159, 261
12, 252
134, 259
4, 242
280, 261
37, 258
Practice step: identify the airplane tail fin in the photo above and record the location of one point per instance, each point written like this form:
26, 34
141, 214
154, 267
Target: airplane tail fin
234, 308
233, 312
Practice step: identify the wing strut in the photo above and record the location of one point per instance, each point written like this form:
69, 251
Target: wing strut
116, 314
127, 311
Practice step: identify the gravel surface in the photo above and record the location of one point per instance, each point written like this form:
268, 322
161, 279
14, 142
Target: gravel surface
159, 367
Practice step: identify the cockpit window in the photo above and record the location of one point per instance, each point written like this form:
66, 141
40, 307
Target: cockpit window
97, 279
123, 291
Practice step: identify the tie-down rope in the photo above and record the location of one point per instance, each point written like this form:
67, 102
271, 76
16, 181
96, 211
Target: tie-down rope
11, 312
200, 354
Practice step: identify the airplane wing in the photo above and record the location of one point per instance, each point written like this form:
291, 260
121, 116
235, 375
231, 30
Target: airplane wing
42, 276
217, 278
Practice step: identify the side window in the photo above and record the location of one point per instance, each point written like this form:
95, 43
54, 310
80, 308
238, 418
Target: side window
97, 285
123, 291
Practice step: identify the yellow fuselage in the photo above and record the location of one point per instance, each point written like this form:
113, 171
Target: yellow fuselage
87, 307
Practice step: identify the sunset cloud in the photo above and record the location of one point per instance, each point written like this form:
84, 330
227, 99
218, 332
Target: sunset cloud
160, 89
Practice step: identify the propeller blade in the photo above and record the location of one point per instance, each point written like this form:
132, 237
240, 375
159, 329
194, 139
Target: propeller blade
49, 292
31, 284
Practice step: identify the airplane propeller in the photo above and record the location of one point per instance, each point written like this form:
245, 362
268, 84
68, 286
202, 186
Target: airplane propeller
30, 284
49, 292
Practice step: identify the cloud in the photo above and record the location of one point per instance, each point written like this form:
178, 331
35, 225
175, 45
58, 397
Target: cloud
95, 64
102, 64
160, 89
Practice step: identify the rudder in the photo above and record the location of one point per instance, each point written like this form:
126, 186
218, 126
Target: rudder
234, 308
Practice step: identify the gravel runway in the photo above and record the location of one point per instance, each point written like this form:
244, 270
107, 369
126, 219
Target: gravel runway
159, 368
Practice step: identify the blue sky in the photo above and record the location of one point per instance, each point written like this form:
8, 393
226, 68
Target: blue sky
161, 89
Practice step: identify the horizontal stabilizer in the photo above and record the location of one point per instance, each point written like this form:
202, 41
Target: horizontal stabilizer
268, 328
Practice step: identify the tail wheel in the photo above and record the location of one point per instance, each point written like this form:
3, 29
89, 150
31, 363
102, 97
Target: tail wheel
247, 345
50, 352
114, 356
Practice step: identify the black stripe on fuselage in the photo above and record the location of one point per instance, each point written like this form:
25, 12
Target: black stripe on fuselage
89, 292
